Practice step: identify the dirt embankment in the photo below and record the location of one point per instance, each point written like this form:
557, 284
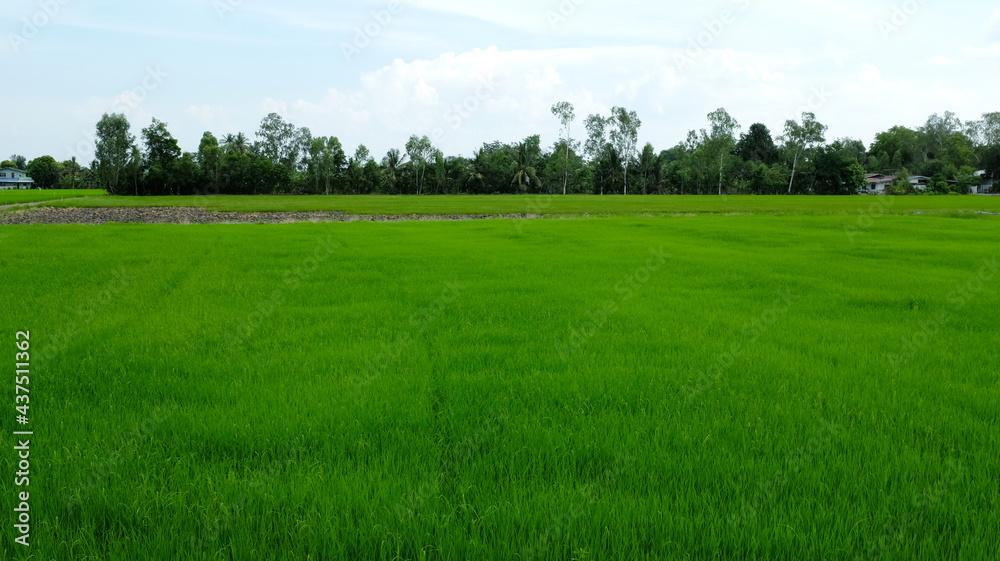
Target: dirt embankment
181, 215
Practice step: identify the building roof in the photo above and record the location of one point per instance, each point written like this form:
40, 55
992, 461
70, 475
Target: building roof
879, 178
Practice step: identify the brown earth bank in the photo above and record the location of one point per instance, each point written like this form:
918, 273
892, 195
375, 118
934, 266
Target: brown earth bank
182, 215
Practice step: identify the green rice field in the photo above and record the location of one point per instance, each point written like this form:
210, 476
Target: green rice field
19, 196
821, 383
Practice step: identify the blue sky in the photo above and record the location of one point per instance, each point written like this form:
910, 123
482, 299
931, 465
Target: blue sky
465, 73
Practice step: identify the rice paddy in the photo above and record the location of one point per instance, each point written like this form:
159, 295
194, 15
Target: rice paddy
816, 385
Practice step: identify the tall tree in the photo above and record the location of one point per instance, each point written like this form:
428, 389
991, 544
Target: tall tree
161, 152
648, 165
161, 147
756, 145
326, 161
210, 159
72, 169
526, 174
624, 136
801, 138
20, 162
936, 131
421, 151
566, 113
114, 145
235, 144
44, 171
279, 141
897, 148
362, 155
390, 163
722, 138
133, 169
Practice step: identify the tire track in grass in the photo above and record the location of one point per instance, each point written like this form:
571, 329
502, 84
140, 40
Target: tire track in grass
454, 455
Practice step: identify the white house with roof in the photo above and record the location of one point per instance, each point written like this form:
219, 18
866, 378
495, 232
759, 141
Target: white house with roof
986, 185
13, 178
876, 183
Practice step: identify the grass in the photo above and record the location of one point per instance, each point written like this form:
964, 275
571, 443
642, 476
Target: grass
18, 196
572, 204
713, 387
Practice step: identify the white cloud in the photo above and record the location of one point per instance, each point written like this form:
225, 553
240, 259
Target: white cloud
462, 100
936, 61
992, 21
989, 51
207, 116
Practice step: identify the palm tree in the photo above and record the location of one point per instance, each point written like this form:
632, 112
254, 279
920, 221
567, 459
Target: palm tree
72, 168
236, 144
393, 159
525, 173
476, 170
228, 142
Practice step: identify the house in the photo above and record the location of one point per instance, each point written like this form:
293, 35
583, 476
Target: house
920, 182
13, 178
985, 185
875, 183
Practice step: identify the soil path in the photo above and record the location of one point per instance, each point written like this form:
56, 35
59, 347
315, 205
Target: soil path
184, 215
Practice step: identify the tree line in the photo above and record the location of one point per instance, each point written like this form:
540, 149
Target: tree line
719, 159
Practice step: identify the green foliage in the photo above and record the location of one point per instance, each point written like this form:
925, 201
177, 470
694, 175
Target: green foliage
716, 159
757, 146
837, 174
800, 140
45, 171
113, 150
71, 173
209, 161
896, 148
901, 186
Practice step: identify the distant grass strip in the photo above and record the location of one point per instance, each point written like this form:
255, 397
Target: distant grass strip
554, 205
18, 196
